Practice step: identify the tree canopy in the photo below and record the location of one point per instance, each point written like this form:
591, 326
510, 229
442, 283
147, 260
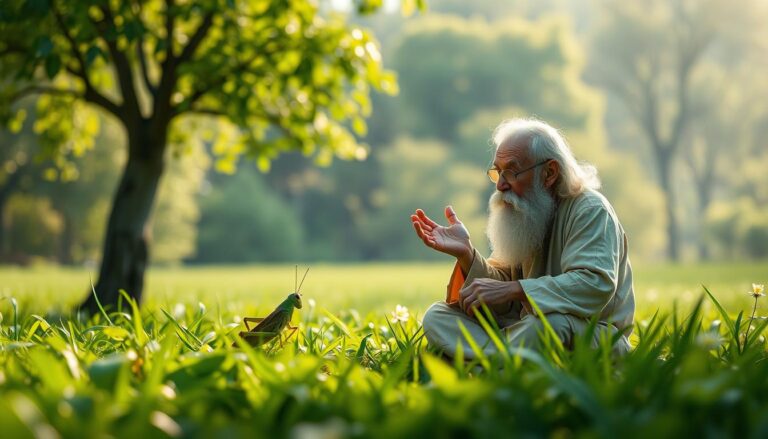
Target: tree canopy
276, 76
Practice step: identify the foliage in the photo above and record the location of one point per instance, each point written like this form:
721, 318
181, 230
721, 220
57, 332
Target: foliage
177, 214
173, 371
738, 228
34, 225
267, 228
423, 175
457, 67
660, 59
78, 204
279, 72
276, 76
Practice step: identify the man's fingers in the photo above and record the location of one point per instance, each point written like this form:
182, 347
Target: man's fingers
467, 301
423, 217
450, 214
424, 225
428, 240
419, 230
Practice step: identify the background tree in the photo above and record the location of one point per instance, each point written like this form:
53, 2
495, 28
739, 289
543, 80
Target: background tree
460, 66
649, 54
286, 76
15, 163
268, 229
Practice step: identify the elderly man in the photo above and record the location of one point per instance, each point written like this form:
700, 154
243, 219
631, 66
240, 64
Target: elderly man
555, 240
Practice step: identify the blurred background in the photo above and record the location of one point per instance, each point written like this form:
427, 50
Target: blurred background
668, 99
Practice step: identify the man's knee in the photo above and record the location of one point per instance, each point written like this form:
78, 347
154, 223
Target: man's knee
435, 320
530, 329
436, 314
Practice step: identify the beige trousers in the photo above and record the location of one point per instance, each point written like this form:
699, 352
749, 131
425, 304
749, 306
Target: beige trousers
441, 328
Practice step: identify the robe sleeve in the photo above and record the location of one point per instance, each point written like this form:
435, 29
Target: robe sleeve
590, 266
480, 268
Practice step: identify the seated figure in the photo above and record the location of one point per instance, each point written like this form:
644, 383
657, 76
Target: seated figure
555, 240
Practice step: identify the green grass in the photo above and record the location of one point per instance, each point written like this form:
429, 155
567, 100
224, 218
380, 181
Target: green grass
366, 288
354, 372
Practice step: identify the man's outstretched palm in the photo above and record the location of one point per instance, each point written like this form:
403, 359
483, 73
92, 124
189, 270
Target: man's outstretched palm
452, 240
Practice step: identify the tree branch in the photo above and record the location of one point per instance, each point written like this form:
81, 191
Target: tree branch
162, 107
45, 89
169, 25
72, 43
121, 64
143, 64
206, 112
650, 119
11, 48
140, 52
91, 94
197, 38
197, 94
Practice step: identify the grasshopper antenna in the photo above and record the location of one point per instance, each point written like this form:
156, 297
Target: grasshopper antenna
302, 279
295, 277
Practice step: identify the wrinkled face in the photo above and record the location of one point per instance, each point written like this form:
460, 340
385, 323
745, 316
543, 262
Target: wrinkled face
296, 299
513, 155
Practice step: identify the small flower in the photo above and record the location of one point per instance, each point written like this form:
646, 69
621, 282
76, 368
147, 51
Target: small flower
757, 290
179, 311
401, 314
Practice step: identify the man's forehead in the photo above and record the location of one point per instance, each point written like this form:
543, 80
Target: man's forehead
513, 151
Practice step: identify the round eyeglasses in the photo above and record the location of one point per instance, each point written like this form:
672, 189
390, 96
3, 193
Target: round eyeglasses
509, 175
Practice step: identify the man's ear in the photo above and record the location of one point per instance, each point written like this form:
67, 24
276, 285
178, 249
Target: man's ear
551, 173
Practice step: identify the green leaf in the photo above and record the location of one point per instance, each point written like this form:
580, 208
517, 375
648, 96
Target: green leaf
138, 327
43, 47
724, 314
339, 323
116, 333
198, 367
442, 374
92, 54
361, 350
474, 346
16, 123
105, 371
52, 65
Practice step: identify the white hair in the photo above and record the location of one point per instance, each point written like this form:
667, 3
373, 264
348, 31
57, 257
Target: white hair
545, 142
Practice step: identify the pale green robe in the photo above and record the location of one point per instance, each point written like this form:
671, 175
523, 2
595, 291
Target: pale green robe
583, 271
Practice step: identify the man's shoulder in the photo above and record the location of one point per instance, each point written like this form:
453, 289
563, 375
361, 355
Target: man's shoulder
589, 199
587, 205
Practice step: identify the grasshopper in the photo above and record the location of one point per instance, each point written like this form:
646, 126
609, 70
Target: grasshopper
269, 327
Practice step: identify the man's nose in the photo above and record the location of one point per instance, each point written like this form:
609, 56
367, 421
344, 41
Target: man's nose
502, 185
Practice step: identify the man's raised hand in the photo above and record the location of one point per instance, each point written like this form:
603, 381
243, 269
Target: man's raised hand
452, 240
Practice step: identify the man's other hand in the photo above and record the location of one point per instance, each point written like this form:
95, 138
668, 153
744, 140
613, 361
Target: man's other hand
452, 240
490, 292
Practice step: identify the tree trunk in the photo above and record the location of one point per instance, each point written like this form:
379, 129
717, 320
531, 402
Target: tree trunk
705, 198
125, 254
673, 244
67, 240
6, 191
2, 230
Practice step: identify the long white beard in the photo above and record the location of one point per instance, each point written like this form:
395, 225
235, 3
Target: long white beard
517, 226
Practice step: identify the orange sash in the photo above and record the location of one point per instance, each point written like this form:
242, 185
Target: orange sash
454, 285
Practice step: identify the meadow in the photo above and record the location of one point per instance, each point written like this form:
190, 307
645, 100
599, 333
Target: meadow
358, 368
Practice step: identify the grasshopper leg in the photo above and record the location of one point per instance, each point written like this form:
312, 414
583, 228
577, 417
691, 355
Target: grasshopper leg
291, 330
247, 320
